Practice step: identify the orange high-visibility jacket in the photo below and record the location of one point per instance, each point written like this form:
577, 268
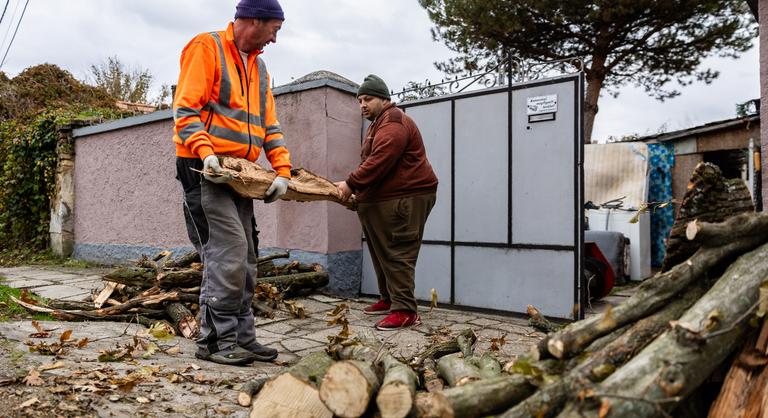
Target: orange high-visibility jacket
218, 110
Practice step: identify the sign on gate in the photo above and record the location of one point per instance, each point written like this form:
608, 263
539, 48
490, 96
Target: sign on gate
506, 230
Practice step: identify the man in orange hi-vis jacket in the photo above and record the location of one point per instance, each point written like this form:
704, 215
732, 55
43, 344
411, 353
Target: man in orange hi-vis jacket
223, 105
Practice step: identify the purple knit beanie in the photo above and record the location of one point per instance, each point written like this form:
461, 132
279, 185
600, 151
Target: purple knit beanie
255, 9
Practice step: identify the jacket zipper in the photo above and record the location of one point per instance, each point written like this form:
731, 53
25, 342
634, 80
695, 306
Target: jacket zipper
247, 101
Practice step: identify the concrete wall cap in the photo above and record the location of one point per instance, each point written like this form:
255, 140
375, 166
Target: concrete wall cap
123, 123
316, 80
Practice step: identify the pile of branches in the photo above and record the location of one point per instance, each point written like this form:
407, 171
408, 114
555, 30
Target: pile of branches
650, 356
167, 290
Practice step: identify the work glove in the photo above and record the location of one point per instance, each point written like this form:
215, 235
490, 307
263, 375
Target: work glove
278, 188
213, 172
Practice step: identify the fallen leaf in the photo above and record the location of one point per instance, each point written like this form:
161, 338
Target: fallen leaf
161, 331
141, 399
605, 408
57, 365
194, 366
223, 410
433, 301
28, 403
173, 350
65, 336
174, 378
33, 378
82, 343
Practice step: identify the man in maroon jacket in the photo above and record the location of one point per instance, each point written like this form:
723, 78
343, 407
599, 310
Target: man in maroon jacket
396, 189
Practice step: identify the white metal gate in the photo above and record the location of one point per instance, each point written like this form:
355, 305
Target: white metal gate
506, 230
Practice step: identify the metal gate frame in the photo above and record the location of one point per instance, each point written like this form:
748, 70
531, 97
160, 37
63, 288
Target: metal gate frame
578, 178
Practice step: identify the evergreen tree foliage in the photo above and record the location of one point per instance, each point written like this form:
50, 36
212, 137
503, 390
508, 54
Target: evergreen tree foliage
658, 45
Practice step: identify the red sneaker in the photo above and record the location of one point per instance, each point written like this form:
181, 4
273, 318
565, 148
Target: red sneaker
379, 308
397, 320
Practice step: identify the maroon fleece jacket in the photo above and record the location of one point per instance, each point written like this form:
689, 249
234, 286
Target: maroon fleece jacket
394, 161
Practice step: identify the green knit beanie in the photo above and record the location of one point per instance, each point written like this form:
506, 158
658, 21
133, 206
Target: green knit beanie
374, 86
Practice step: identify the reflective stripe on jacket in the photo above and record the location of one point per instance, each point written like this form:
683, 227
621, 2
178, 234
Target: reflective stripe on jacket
221, 109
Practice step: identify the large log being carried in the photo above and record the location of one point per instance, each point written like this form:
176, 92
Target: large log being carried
251, 180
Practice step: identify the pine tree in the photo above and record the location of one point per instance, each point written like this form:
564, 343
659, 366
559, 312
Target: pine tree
655, 44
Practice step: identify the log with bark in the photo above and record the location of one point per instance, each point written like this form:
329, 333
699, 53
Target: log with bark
743, 392
599, 364
650, 296
185, 260
294, 393
678, 361
183, 320
350, 384
252, 181
398, 389
460, 343
475, 399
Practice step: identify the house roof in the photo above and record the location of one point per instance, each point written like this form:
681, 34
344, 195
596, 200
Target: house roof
702, 129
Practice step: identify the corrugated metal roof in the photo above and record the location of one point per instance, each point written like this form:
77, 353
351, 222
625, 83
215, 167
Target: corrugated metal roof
701, 129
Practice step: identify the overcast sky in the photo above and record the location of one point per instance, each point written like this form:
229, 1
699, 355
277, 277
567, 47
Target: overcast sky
349, 37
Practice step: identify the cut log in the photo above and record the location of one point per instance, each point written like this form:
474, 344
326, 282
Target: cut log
538, 321
432, 382
678, 361
550, 399
456, 370
488, 365
273, 256
475, 399
295, 282
398, 389
70, 305
138, 277
252, 181
294, 392
169, 279
435, 351
348, 387
182, 319
185, 260
710, 198
262, 308
652, 294
712, 234
249, 390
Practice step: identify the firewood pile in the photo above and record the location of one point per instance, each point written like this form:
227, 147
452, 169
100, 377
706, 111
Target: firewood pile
695, 326
164, 291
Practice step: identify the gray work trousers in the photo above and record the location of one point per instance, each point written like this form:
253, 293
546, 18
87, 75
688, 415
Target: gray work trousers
393, 231
221, 225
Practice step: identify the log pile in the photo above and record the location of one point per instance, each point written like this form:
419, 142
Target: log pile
164, 289
649, 356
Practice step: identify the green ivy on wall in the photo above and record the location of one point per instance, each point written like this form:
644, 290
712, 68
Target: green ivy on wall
28, 160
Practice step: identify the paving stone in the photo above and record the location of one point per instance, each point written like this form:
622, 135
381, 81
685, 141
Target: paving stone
298, 344
282, 327
484, 322
53, 276
60, 292
315, 307
325, 299
26, 283
322, 335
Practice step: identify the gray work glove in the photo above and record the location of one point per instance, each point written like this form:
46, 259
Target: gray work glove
211, 165
278, 188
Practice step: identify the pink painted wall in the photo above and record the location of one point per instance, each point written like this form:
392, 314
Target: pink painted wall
763, 15
125, 188
322, 127
126, 191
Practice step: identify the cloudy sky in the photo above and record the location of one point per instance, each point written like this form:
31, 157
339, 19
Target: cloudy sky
349, 37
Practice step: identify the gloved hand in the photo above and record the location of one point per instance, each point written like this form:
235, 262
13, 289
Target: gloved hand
278, 188
211, 165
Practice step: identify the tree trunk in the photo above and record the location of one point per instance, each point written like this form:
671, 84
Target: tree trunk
435, 351
294, 393
678, 361
650, 295
398, 389
549, 400
169, 279
348, 387
594, 85
475, 399
294, 282
270, 257
183, 320
538, 321
711, 234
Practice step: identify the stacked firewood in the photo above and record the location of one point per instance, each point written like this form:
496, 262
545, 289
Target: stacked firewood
650, 356
167, 290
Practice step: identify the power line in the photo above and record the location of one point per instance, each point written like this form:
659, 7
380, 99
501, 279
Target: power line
8, 27
14, 34
4, 10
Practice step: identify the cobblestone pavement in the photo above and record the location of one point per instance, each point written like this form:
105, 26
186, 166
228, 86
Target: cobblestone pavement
292, 337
